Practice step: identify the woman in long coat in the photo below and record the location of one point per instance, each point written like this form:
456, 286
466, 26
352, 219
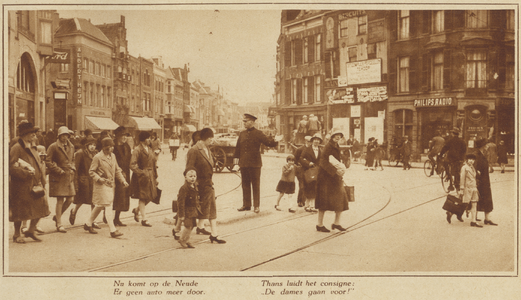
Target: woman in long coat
485, 203
104, 171
83, 181
123, 155
369, 156
143, 184
309, 159
26, 170
331, 195
60, 162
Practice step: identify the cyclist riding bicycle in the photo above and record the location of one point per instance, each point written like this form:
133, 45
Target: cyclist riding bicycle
436, 144
455, 149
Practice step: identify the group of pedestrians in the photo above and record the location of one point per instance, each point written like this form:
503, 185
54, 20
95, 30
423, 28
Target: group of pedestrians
98, 178
468, 172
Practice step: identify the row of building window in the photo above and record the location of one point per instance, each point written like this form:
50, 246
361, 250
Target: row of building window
304, 91
434, 21
436, 71
92, 67
96, 95
306, 50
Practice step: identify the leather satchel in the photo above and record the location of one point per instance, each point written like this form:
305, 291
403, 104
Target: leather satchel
37, 191
310, 175
454, 205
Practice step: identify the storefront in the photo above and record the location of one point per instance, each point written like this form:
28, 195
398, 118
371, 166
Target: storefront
434, 114
359, 111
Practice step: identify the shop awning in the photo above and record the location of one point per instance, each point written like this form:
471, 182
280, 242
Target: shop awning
144, 123
188, 127
97, 123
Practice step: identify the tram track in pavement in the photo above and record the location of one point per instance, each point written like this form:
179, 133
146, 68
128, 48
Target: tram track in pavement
286, 220
358, 225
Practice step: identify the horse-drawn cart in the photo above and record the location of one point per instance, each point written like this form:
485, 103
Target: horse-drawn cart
222, 151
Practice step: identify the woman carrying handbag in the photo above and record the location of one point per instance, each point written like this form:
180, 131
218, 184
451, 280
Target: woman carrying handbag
309, 162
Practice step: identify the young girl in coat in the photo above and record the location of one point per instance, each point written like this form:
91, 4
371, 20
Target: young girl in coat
468, 187
188, 207
104, 171
286, 184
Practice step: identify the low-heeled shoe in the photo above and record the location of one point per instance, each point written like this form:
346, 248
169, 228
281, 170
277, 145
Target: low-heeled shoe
339, 227
473, 224
322, 229
116, 234
488, 222
202, 231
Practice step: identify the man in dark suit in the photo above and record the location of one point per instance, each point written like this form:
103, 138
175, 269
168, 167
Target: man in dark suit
455, 149
247, 155
406, 152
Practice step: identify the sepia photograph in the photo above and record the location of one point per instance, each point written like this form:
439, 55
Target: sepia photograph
233, 150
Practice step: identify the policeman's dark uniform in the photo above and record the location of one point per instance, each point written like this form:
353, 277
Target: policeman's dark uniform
250, 163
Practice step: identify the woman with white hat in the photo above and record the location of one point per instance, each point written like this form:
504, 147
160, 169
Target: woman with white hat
331, 195
60, 162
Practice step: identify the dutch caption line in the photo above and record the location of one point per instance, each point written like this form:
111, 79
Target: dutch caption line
154, 288
306, 287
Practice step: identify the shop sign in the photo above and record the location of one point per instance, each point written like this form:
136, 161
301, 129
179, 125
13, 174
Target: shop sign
78, 85
97, 113
60, 56
372, 94
351, 14
365, 71
434, 102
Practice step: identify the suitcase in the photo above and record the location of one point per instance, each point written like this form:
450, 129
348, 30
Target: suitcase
454, 205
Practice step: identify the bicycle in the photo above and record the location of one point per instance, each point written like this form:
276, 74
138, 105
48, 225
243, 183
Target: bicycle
395, 157
428, 165
447, 178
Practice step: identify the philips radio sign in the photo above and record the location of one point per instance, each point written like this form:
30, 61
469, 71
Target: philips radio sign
434, 102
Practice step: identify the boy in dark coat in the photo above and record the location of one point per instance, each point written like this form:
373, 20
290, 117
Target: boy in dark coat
188, 207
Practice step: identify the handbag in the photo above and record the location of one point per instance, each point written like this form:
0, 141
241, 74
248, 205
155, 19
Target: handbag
350, 191
158, 197
454, 205
37, 191
310, 175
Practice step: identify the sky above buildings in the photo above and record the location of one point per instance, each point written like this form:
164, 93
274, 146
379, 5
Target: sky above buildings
232, 49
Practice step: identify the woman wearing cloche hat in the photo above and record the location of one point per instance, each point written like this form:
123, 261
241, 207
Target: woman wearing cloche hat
26, 171
104, 171
60, 162
331, 195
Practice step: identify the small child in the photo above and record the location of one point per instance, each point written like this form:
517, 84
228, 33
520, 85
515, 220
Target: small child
188, 206
468, 187
286, 184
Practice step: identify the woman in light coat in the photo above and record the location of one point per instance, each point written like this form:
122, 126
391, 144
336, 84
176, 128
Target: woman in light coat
104, 171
